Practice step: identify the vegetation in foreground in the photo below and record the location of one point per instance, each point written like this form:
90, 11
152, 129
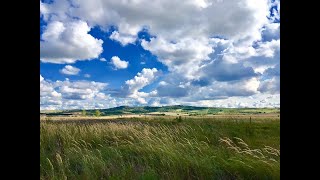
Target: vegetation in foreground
161, 149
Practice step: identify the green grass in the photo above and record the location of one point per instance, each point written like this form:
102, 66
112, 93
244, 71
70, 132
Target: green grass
161, 149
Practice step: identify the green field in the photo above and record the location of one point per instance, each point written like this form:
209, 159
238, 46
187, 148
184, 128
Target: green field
161, 148
189, 110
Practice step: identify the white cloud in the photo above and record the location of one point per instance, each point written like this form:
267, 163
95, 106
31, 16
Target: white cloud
57, 10
180, 56
182, 92
131, 87
267, 55
271, 86
79, 90
214, 50
274, 71
221, 70
48, 95
223, 90
240, 20
143, 78
103, 59
74, 95
70, 70
87, 75
271, 31
255, 101
207, 18
126, 33
118, 63
124, 39
47, 89
269, 48
68, 42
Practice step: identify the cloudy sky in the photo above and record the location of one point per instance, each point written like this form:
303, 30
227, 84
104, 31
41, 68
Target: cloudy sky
107, 53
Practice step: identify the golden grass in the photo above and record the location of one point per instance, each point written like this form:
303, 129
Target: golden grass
264, 154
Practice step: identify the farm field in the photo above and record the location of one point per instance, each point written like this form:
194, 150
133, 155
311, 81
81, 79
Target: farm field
161, 147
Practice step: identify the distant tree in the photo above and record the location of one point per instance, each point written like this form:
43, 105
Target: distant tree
84, 112
97, 113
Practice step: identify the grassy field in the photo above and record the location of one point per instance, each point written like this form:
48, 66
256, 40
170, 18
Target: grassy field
170, 110
160, 148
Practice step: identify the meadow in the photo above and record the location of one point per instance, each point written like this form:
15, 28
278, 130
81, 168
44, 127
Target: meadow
160, 148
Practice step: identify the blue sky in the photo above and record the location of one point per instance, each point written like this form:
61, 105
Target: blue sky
102, 54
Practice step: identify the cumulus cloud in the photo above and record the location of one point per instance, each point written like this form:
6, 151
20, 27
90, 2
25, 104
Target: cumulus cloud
74, 94
143, 78
79, 90
102, 59
49, 97
271, 31
240, 21
47, 89
118, 63
180, 56
214, 50
132, 87
274, 71
269, 48
224, 90
173, 86
171, 90
267, 55
70, 70
223, 71
256, 101
56, 10
208, 18
271, 86
68, 42
124, 39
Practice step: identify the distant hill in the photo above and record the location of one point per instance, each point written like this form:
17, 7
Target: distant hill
191, 110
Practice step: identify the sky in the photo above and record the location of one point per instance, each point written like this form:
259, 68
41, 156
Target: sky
106, 53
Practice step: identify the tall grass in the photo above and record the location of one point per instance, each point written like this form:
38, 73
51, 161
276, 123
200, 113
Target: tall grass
160, 149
